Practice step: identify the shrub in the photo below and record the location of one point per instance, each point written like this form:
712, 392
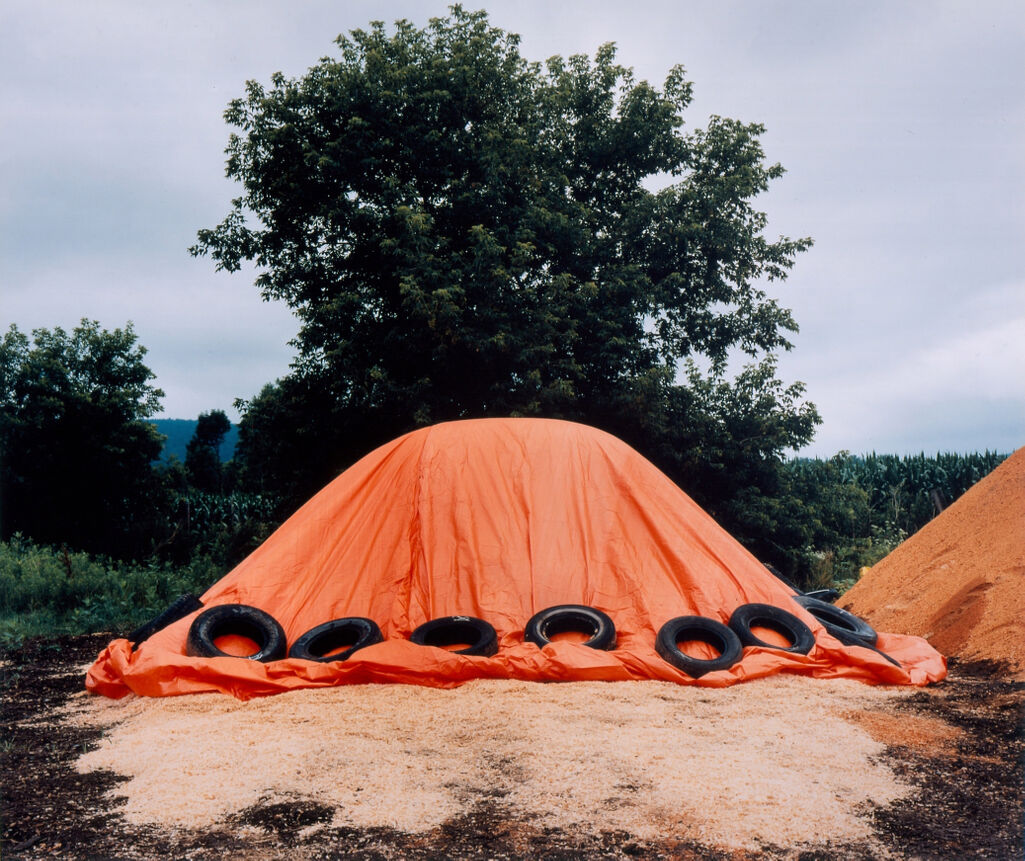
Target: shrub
47, 591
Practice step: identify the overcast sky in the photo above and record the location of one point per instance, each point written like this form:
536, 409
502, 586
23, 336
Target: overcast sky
901, 126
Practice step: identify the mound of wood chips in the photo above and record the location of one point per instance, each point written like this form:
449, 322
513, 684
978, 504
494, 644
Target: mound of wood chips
785, 760
960, 580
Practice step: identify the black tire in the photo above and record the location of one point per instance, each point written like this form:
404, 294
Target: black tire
241, 620
828, 595
705, 630
548, 623
179, 608
748, 616
449, 630
355, 632
845, 626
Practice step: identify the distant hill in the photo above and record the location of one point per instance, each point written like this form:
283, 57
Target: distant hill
180, 431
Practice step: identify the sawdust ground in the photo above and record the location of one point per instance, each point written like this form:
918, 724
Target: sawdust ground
786, 760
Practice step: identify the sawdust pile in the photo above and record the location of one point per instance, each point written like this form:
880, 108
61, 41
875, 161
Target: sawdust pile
960, 580
785, 760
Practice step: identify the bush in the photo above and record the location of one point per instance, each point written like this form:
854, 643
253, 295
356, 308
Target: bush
45, 591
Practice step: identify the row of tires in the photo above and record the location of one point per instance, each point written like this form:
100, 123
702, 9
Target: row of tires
338, 639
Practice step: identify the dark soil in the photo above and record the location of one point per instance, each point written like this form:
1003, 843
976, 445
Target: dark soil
970, 803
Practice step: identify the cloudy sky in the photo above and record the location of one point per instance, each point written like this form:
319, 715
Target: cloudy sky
901, 125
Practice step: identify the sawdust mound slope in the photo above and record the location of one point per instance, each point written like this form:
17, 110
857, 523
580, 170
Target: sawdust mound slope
496, 519
960, 580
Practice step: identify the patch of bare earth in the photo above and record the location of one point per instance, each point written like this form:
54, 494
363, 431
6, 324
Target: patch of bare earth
782, 768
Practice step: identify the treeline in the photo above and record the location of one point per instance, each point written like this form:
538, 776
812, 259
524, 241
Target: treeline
80, 466
905, 492
96, 531
856, 509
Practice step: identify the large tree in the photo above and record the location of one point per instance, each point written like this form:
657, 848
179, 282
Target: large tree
465, 233
203, 464
76, 454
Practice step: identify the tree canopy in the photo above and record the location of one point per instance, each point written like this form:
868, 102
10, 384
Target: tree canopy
462, 232
203, 465
76, 453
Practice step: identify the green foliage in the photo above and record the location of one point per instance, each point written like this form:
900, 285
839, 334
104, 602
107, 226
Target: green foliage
47, 591
850, 511
907, 491
203, 453
225, 527
206, 515
464, 233
77, 451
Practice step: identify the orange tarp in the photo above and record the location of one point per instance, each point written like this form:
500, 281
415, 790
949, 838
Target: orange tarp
498, 519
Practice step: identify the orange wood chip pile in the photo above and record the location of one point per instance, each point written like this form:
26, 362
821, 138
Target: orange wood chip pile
960, 580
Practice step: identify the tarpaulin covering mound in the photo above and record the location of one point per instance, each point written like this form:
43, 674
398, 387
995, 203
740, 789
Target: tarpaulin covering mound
497, 519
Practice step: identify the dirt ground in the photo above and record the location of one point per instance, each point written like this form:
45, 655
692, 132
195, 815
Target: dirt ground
960, 745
